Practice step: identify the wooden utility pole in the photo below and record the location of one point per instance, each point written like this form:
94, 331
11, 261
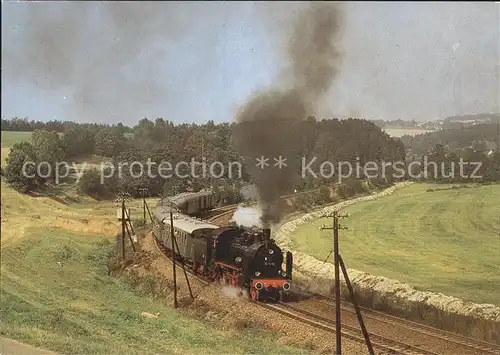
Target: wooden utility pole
124, 214
358, 312
340, 263
338, 326
130, 236
144, 191
173, 256
338, 343
184, 270
175, 249
147, 209
498, 135
123, 228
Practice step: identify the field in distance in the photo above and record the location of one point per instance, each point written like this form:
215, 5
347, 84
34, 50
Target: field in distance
441, 241
75, 307
9, 139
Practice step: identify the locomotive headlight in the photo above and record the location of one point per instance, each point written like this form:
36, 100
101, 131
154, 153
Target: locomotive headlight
271, 251
283, 273
257, 273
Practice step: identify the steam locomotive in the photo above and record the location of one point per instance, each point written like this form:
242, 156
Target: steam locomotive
247, 259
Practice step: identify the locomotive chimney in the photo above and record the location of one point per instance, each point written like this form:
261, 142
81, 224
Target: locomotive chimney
266, 235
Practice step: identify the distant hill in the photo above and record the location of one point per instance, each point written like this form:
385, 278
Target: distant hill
469, 120
480, 117
451, 122
408, 125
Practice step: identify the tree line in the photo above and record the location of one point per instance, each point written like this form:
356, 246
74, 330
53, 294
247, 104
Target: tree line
18, 124
351, 140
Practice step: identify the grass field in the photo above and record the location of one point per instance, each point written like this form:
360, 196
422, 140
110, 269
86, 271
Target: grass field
76, 308
444, 241
10, 138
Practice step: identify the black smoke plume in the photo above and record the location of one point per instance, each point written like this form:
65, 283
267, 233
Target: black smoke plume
269, 123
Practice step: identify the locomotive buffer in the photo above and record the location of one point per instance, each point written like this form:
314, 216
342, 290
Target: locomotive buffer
339, 262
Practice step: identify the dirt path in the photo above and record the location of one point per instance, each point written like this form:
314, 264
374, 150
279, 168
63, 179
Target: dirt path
13, 347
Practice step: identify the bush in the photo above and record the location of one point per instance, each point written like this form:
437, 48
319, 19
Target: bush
19, 176
90, 184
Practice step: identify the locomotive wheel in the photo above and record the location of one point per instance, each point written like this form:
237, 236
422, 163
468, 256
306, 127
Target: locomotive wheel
255, 295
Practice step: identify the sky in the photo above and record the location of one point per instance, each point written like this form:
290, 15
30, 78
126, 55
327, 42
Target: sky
200, 61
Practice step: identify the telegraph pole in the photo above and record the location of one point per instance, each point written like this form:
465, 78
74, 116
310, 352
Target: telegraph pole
184, 270
338, 342
335, 227
123, 228
124, 215
172, 207
340, 263
358, 312
498, 135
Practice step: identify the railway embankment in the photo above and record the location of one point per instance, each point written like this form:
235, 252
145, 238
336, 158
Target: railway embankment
480, 321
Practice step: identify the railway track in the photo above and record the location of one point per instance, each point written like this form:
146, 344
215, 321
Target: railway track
217, 213
445, 342
388, 345
399, 334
